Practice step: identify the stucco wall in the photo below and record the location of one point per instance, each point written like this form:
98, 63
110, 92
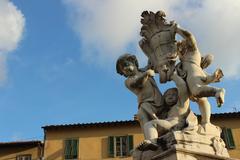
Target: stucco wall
10, 153
93, 142
234, 124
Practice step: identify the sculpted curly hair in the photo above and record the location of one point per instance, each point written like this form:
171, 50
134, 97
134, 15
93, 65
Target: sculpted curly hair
123, 59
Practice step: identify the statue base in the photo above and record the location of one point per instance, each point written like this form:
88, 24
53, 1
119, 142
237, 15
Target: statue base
186, 154
188, 145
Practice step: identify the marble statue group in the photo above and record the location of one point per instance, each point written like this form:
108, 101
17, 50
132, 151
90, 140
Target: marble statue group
169, 114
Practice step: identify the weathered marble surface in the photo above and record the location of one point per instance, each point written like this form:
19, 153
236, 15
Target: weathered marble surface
186, 144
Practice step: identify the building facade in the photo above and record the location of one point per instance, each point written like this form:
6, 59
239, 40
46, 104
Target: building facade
22, 150
95, 141
115, 140
103, 141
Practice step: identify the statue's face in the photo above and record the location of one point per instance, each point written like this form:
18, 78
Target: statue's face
128, 68
171, 97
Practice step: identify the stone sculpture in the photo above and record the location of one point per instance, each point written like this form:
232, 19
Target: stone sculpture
158, 43
143, 85
169, 126
196, 78
177, 99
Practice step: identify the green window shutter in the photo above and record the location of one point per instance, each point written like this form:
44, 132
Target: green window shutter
111, 146
130, 143
75, 148
71, 148
228, 138
67, 149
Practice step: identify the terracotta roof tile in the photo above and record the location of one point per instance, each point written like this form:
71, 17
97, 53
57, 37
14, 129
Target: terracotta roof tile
126, 122
21, 143
95, 124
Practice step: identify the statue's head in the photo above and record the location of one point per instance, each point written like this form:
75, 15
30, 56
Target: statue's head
126, 65
171, 96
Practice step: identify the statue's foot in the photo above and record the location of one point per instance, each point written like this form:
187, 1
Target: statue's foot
218, 74
220, 97
209, 129
147, 145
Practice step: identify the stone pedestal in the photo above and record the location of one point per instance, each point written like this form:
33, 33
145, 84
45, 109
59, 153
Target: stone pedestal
185, 154
182, 145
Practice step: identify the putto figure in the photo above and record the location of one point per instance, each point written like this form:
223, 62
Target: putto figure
177, 100
142, 84
196, 78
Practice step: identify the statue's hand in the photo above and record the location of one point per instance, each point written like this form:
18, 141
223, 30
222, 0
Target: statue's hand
150, 72
218, 74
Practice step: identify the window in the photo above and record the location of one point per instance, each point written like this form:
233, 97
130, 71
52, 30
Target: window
120, 146
228, 138
24, 157
71, 149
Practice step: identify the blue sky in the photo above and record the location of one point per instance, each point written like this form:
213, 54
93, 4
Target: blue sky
57, 59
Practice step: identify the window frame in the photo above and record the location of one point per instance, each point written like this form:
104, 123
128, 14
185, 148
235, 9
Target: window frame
77, 149
112, 145
119, 142
18, 157
228, 138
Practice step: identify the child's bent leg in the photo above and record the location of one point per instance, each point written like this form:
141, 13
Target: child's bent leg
205, 109
201, 91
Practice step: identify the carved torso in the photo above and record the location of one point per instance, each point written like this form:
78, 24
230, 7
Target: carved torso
147, 92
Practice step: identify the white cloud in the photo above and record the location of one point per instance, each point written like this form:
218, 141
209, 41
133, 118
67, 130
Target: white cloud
106, 28
11, 28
